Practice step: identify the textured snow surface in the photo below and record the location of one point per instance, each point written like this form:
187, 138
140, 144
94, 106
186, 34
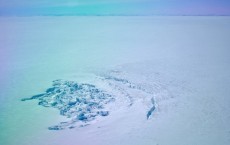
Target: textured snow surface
80, 102
164, 80
83, 103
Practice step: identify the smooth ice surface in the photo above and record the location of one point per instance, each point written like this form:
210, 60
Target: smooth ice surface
180, 62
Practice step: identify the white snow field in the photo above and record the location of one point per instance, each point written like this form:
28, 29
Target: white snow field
118, 80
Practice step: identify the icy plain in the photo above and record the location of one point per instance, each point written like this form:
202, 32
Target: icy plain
163, 80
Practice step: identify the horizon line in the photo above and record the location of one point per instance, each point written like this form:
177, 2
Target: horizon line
114, 15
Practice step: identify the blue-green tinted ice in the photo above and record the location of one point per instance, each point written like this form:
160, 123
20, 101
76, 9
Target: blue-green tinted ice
80, 102
83, 103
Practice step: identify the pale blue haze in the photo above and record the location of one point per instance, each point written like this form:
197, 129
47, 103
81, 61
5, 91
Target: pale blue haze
115, 7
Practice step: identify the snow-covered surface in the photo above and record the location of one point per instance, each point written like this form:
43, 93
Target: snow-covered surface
166, 80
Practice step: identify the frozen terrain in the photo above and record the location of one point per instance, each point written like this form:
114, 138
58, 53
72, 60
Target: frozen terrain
84, 102
114, 80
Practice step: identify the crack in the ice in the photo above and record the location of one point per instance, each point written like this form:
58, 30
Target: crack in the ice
151, 109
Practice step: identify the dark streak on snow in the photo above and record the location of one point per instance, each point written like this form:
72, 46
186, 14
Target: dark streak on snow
151, 109
132, 86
